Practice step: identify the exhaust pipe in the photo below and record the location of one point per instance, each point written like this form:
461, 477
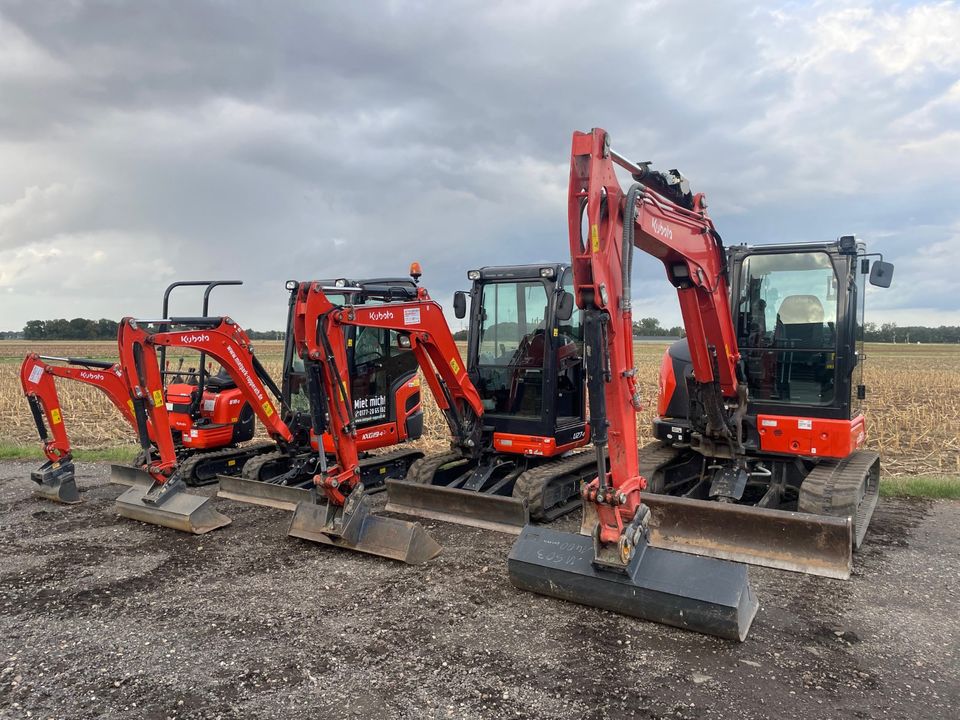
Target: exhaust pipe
355, 527
708, 596
168, 505
56, 481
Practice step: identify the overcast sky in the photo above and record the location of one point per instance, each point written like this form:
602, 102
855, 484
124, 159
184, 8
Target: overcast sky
145, 142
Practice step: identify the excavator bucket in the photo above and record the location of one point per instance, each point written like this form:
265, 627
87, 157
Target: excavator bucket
169, 507
701, 594
466, 507
56, 481
257, 492
354, 527
801, 542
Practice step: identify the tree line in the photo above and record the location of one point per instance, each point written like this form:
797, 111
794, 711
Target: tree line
105, 329
102, 329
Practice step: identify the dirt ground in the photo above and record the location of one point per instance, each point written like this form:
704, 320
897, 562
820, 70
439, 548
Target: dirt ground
108, 618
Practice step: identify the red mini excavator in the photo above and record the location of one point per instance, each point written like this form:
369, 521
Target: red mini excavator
56, 479
611, 563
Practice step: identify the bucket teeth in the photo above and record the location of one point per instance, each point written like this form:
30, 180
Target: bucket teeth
56, 481
178, 510
704, 595
354, 527
465, 507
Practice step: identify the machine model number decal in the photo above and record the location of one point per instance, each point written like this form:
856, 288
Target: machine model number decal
805, 424
578, 434
372, 435
411, 316
36, 374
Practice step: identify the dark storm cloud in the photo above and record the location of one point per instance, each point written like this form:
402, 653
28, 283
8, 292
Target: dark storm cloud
148, 141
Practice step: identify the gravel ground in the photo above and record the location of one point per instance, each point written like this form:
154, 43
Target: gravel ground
108, 618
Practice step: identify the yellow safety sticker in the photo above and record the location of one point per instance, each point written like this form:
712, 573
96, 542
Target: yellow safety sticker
130, 405
55, 416
157, 398
383, 471
555, 332
231, 463
268, 408
594, 238
454, 365
349, 342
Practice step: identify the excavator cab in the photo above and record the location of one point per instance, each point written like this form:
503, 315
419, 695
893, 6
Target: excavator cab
525, 360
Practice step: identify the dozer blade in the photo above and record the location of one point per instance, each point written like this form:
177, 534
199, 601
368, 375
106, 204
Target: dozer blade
56, 481
129, 475
704, 595
175, 509
466, 507
354, 527
801, 542
256, 492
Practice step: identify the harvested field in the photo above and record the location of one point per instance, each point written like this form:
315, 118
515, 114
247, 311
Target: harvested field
913, 409
109, 618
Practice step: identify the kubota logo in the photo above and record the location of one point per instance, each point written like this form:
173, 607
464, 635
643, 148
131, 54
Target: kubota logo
662, 230
198, 338
91, 375
380, 315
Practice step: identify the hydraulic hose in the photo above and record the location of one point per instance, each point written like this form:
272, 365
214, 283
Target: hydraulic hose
629, 222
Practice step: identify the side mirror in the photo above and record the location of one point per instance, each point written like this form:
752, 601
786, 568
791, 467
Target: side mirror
460, 304
881, 274
565, 306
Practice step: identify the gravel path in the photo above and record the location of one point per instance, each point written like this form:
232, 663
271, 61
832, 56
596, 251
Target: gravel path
108, 618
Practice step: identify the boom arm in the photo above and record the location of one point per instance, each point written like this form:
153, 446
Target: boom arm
658, 215
218, 337
37, 376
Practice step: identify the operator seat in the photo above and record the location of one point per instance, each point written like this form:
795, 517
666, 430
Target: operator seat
800, 321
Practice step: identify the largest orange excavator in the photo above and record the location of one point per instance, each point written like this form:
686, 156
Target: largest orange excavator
800, 431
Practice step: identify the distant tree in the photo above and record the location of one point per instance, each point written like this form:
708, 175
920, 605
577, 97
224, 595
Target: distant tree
35, 330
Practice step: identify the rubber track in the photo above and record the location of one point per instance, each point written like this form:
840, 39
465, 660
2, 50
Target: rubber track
423, 470
253, 466
833, 488
188, 467
652, 457
532, 483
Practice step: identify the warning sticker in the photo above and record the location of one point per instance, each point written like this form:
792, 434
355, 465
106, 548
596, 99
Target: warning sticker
411, 316
454, 365
268, 408
55, 416
36, 374
130, 405
157, 398
594, 238
805, 424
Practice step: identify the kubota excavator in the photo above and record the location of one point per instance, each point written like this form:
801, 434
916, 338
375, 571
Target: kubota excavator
385, 391
800, 434
525, 360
